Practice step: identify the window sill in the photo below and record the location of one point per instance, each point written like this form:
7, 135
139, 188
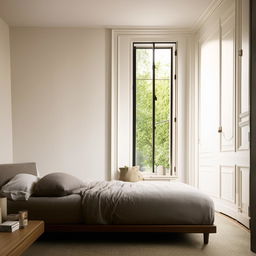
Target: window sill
155, 177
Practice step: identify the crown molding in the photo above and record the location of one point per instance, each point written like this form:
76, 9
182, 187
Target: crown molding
151, 31
206, 14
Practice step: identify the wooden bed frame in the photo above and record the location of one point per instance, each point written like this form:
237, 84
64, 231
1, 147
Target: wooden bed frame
7, 171
205, 229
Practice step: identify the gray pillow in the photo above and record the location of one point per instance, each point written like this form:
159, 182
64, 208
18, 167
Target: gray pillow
20, 187
57, 184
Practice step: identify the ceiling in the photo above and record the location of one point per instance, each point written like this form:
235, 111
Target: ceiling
103, 13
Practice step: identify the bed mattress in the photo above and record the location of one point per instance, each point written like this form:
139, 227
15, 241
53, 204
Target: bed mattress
118, 202
57, 210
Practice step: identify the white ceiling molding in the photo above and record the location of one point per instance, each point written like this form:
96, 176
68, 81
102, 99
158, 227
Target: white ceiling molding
151, 28
206, 14
150, 31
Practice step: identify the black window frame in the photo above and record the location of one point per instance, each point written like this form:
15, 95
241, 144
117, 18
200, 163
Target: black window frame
152, 45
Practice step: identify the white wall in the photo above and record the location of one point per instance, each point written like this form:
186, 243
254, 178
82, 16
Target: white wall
60, 93
5, 96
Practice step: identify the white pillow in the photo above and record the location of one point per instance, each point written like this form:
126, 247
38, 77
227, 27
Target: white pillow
20, 187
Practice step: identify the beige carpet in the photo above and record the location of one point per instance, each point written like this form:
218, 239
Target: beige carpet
231, 240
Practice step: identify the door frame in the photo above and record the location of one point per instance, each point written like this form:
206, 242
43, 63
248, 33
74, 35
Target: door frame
253, 124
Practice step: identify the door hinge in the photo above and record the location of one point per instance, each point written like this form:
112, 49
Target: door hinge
240, 52
174, 170
175, 120
220, 129
175, 77
175, 53
249, 137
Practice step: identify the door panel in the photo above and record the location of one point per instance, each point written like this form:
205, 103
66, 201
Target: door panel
209, 85
227, 95
206, 174
227, 183
245, 70
244, 181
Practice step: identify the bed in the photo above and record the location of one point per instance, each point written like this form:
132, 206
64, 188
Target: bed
117, 206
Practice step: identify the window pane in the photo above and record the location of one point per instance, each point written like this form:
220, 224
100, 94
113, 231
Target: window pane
162, 89
162, 132
162, 146
144, 124
162, 63
144, 62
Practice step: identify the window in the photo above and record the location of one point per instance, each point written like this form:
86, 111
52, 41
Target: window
153, 106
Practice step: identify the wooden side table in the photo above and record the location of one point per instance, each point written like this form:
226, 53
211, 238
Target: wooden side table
15, 243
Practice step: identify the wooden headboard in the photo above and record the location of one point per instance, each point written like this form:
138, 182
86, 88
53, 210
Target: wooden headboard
7, 171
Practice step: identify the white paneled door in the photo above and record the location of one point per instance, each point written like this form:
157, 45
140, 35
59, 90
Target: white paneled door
224, 112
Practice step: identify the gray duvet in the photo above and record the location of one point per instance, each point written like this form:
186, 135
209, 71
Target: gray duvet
118, 202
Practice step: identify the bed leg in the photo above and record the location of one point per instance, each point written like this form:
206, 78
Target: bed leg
206, 238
